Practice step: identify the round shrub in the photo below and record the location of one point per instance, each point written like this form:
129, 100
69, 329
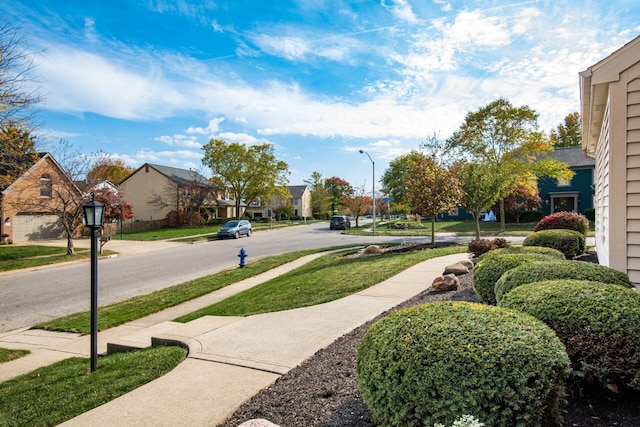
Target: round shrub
431, 364
564, 220
487, 272
598, 323
554, 270
569, 242
524, 250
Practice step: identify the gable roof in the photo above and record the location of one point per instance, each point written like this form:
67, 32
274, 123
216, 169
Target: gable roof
573, 156
42, 157
177, 175
297, 191
594, 90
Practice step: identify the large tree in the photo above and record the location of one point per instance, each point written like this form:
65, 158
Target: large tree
17, 153
107, 168
319, 196
432, 189
359, 202
481, 186
249, 172
506, 139
17, 96
393, 179
339, 192
568, 134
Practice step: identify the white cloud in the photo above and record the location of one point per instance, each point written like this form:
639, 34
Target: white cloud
179, 141
213, 127
402, 10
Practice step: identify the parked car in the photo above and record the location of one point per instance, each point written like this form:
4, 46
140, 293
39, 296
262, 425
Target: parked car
235, 229
339, 222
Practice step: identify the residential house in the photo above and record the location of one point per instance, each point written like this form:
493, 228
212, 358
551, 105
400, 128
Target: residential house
610, 110
300, 200
30, 202
155, 190
574, 195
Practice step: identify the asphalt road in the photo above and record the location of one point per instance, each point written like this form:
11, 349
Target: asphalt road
30, 297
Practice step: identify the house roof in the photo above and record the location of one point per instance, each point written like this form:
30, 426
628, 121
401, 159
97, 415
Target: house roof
179, 176
297, 191
594, 90
573, 156
43, 157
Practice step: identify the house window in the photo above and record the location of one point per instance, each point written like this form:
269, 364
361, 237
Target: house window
46, 186
564, 183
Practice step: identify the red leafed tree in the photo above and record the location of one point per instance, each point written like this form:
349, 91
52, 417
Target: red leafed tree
114, 205
522, 198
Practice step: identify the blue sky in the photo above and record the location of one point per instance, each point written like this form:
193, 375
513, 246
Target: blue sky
153, 81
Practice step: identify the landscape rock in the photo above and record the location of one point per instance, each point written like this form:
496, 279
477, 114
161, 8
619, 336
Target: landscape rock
372, 249
447, 282
457, 269
467, 263
258, 423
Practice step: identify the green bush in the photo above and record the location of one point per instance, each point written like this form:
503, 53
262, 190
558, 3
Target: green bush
564, 220
480, 246
487, 272
569, 242
554, 270
431, 364
554, 253
598, 323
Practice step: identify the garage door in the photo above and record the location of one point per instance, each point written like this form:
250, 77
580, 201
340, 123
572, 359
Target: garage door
37, 227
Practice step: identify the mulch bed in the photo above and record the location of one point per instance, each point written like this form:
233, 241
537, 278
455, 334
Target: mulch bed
323, 390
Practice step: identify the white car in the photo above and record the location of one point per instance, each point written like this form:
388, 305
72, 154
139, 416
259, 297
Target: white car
235, 229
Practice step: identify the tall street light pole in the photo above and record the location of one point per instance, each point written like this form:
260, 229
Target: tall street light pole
93, 216
373, 190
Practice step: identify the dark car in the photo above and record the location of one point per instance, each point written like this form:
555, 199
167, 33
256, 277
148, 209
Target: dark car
235, 229
339, 222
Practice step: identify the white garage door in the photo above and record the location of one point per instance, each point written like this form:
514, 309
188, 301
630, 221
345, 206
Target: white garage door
37, 227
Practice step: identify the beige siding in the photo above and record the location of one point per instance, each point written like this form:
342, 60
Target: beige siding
633, 170
602, 192
151, 194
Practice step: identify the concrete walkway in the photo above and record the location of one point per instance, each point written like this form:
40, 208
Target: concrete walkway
230, 358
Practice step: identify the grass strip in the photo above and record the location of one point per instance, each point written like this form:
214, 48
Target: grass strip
325, 279
134, 308
8, 354
64, 390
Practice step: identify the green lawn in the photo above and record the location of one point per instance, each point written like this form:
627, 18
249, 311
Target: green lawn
325, 279
134, 308
8, 354
14, 257
53, 394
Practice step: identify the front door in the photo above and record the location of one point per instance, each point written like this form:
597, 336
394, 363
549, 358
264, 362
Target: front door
564, 204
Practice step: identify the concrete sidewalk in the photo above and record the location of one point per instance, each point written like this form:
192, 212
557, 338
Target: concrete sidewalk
230, 358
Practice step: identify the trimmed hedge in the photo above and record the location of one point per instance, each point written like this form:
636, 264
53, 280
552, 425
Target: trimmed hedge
555, 270
565, 221
431, 364
556, 254
598, 323
569, 242
487, 272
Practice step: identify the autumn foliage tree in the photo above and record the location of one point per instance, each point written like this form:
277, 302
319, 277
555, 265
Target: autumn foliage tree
106, 168
506, 138
522, 197
432, 189
568, 134
339, 191
359, 203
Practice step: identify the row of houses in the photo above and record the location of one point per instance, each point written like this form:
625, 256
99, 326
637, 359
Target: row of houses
152, 190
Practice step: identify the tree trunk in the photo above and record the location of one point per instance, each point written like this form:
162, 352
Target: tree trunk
502, 216
476, 218
433, 231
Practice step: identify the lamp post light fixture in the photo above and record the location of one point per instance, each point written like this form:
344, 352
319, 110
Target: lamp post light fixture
93, 216
373, 190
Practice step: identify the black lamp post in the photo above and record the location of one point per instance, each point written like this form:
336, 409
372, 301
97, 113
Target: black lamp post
93, 215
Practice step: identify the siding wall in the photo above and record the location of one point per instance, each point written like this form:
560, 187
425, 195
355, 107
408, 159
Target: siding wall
602, 191
633, 174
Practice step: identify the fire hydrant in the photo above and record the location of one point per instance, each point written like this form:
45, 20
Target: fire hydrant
243, 254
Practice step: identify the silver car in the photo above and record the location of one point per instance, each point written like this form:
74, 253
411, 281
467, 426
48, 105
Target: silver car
235, 229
